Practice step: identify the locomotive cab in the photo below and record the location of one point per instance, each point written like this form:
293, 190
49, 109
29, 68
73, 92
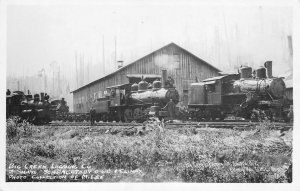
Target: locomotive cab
208, 99
112, 104
117, 94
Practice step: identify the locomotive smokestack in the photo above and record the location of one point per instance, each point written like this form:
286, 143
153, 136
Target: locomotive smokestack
163, 78
268, 66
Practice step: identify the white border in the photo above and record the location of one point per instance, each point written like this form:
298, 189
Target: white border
153, 186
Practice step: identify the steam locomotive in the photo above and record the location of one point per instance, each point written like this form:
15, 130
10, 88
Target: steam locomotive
251, 95
128, 102
34, 109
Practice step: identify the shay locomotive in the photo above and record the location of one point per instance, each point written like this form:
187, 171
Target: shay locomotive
34, 109
251, 95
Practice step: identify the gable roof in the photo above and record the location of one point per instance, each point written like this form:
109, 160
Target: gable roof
166, 46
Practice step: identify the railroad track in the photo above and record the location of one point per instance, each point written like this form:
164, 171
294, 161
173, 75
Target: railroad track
212, 124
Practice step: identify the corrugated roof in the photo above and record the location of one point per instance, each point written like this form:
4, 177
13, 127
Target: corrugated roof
171, 44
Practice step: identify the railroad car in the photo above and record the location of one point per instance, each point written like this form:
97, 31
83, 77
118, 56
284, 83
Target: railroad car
251, 95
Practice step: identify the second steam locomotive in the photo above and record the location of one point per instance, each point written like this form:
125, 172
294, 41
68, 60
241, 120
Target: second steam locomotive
251, 95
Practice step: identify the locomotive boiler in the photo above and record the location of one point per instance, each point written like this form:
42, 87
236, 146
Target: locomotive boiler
263, 84
255, 95
142, 94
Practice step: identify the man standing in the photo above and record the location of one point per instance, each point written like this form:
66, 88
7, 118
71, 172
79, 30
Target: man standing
92, 115
63, 102
170, 107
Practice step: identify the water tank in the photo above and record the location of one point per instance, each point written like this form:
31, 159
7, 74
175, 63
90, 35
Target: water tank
156, 85
143, 86
134, 87
246, 72
261, 72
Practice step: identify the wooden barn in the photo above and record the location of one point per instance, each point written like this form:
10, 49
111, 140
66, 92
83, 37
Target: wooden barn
181, 65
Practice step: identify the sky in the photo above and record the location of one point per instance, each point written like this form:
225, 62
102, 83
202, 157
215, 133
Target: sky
39, 35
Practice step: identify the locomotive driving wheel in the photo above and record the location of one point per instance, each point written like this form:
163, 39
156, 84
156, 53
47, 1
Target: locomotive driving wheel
138, 114
128, 115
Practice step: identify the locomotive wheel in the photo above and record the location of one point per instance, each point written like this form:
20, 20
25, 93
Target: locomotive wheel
137, 114
128, 115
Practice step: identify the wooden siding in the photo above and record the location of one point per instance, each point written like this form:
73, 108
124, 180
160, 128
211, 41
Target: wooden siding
181, 65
